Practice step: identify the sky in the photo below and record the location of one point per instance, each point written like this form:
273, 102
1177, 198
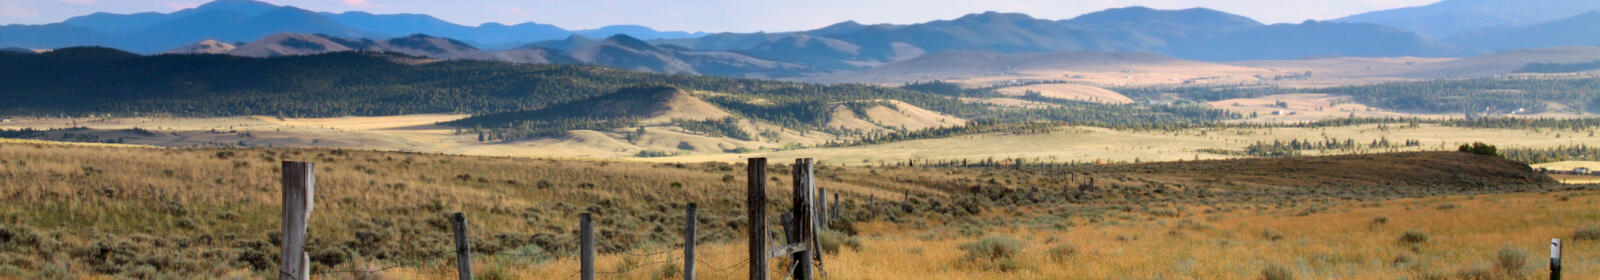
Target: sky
716, 15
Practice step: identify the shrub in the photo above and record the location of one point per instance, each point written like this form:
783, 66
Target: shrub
1062, 253
1479, 148
1511, 261
832, 240
1276, 272
993, 253
1271, 235
1414, 237
1590, 232
1475, 272
1379, 220
668, 271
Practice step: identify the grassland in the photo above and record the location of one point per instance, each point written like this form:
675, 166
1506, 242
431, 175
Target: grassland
79, 211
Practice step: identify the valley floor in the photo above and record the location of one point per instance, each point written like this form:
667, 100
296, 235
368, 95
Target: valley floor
1063, 144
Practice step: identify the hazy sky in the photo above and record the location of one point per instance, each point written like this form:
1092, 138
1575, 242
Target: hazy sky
716, 15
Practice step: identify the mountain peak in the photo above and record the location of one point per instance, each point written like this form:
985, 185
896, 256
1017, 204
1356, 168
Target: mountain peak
248, 7
630, 42
991, 16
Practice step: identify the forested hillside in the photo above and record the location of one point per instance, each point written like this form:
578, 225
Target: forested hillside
513, 101
1453, 96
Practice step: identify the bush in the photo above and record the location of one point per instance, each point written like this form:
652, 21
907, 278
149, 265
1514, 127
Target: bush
832, 240
1271, 235
993, 253
1062, 253
1414, 237
1590, 232
1276, 272
1475, 272
1511, 261
1479, 148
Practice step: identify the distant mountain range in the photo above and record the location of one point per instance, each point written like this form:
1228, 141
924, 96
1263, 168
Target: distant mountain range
1451, 17
619, 51
249, 28
231, 21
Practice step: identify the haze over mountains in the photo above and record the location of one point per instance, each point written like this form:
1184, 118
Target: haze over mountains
1452, 28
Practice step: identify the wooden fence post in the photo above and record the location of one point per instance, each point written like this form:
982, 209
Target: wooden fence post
756, 212
821, 215
586, 253
299, 189
804, 218
1555, 259
463, 246
906, 204
835, 208
872, 201
688, 242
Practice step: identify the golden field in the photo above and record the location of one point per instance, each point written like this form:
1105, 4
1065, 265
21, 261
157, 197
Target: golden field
80, 211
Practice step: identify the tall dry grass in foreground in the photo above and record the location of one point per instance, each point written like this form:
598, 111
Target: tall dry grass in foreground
98, 212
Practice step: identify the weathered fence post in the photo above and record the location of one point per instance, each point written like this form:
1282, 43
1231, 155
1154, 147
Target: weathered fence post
463, 246
1555, 259
586, 253
688, 242
756, 211
804, 211
299, 187
906, 204
835, 209
872, 203
821, 215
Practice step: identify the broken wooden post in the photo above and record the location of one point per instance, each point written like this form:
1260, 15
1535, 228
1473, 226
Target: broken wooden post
586, 253
688, 242
804, 220
463, 246
299, 187
756, 212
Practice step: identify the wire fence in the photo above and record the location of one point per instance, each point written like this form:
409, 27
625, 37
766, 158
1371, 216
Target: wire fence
701, 263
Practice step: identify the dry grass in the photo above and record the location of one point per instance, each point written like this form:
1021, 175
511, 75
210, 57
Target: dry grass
93, 211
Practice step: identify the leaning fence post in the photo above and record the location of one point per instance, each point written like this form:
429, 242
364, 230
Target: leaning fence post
463, 246
586, 253
688, 242
299, 187
1555, 259
756, 212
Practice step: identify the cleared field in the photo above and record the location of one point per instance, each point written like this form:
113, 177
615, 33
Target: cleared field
1070, 92
1091, 144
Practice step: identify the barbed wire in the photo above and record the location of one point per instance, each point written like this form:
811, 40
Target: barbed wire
368, 271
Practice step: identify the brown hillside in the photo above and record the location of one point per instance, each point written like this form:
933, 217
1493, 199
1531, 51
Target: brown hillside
1452, 169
